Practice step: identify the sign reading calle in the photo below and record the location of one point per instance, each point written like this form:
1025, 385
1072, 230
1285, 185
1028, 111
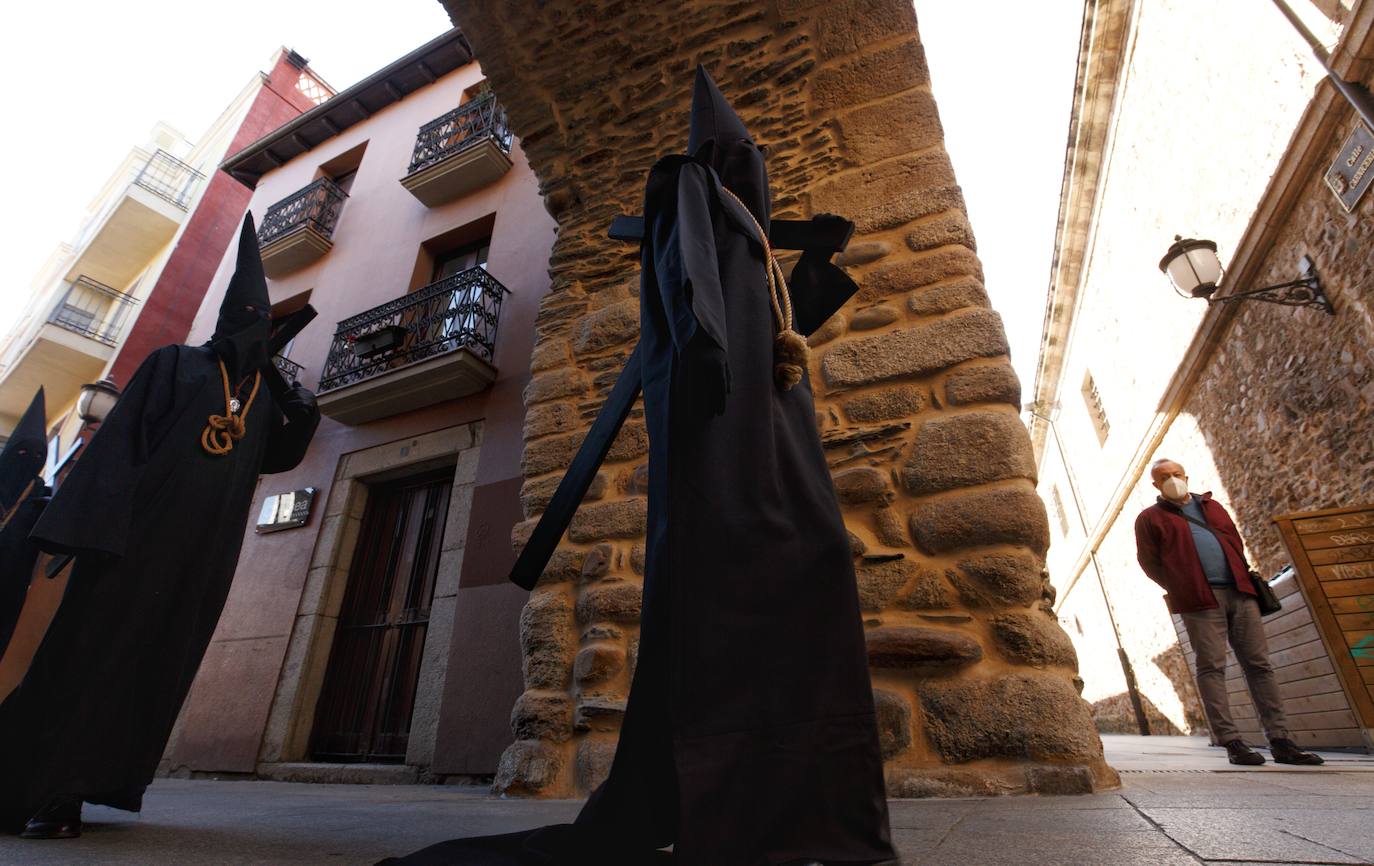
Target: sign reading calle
285, 510
1353, 171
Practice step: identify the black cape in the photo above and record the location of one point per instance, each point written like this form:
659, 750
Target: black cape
155, 524
23, 495
749, 737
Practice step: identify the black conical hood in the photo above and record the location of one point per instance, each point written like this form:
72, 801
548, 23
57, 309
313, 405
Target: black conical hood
719, 139
25, 452
713, 119
245, 315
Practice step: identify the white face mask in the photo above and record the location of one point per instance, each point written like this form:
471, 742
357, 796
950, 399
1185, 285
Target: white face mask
1174, 487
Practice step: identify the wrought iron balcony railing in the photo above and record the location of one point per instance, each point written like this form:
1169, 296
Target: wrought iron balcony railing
290, 370
458, 312
316, 205
461, 128
93, 310
168, 177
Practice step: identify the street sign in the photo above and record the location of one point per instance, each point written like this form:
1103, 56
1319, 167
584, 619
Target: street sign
1353, 171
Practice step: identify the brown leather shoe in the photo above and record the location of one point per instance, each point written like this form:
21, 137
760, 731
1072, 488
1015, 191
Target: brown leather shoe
60, 819
1285, 751
1239, 753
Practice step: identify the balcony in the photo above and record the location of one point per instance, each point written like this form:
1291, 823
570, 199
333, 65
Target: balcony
138, 222
460, 152
69, 349
299, 229
290, 370
433, 345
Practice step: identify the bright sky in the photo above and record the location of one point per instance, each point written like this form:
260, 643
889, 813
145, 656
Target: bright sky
1003, 74
91, 77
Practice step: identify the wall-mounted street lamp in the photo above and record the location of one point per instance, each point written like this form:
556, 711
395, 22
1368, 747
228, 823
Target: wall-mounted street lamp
1194, 269
96, 401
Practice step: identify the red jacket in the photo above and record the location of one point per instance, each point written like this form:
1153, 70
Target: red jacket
1166, 551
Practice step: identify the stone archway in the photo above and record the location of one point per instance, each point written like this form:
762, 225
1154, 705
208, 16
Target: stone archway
916, 400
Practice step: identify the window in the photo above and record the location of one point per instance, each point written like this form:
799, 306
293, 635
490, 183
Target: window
473, 255
343, 167
1059, 510
1096, 411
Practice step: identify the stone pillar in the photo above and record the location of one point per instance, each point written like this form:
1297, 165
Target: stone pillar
916, 401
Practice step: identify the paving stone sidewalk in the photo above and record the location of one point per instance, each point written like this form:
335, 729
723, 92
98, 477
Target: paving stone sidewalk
1180, 803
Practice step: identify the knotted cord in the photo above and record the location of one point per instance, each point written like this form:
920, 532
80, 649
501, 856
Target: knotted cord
790, 351
13, 509
219, 435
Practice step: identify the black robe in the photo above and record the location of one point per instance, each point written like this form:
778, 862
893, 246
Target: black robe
749, 737
155, 524
18, 556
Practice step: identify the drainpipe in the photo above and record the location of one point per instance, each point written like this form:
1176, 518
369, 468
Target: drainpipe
1132, 688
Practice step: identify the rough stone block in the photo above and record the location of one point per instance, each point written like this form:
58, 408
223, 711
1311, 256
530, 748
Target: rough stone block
614, 325
887, 404
599, 714
610, 602
545, 418
1060, 780
1008, 515
632, 441
550, 353
944, 229
597, 562
565, 564
891, 528
622, 518
598, 662
871, 318
552, 453
852, 24
1024, 715
957, 294
915, 351
985, 383
880, 582
594, 757
929, 593
894, 722
904, 123
536, 493
911, 273
860, 485
832, 328
862, 253
920, 650
968, 449
877, 73
527, 767
547, 638
998, 579
892, 193
1034, 639
542, 715
555, 384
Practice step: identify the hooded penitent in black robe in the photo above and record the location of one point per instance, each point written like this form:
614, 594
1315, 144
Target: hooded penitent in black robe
155, 522
23, 495
749, 737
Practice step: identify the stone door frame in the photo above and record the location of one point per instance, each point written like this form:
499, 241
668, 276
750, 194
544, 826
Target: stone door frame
292, 717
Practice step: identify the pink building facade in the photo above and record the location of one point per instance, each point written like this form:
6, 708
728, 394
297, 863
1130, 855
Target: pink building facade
379, 640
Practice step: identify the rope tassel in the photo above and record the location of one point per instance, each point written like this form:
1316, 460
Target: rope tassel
791, 354
223, 431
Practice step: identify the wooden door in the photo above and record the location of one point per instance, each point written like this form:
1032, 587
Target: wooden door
369, 689
1333, 554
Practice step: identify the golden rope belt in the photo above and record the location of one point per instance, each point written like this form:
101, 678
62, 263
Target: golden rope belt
790, 351
10, 512
219, 435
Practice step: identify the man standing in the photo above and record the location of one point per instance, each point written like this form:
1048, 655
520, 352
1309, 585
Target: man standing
1187, 543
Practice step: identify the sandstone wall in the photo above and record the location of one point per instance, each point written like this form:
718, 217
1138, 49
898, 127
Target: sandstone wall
916, 401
